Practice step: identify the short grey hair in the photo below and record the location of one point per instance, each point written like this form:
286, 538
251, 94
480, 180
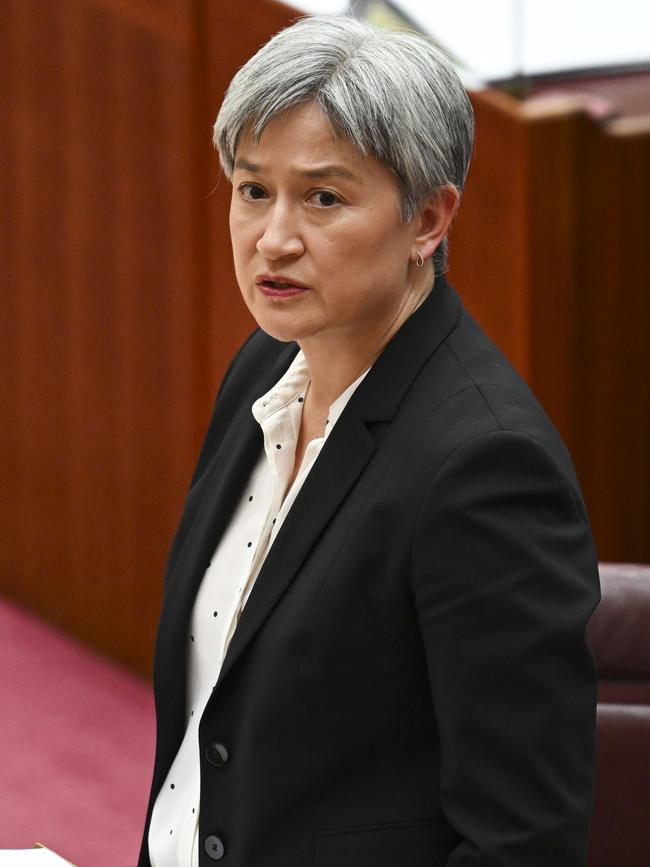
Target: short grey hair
393, 95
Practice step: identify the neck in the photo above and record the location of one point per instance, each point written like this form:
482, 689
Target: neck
336, 360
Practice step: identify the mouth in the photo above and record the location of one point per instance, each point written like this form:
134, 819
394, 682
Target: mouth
279, 286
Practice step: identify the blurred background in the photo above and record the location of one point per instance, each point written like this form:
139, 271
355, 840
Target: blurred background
119, 308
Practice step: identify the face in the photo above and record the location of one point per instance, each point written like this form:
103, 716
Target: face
321, 252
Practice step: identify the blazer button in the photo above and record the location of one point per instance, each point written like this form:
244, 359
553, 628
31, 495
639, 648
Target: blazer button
215, 848
216, 754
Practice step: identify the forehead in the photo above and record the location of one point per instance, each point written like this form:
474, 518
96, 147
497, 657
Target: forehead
303, 142
304, 131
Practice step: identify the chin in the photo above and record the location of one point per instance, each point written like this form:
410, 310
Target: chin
283, 332
281, 325
278, 334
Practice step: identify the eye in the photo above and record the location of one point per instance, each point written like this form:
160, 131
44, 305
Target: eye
252, 192
324, 198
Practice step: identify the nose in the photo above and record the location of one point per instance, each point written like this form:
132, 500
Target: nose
281, 237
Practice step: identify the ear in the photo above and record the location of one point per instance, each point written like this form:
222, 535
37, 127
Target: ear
433, 220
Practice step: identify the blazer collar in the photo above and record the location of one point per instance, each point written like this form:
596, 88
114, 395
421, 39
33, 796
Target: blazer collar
383, 390
218, 489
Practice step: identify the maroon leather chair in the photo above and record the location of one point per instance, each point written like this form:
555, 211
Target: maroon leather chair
619, 632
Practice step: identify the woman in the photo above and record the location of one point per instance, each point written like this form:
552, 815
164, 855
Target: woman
371, 650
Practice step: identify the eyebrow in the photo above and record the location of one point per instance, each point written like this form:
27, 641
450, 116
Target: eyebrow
326, 171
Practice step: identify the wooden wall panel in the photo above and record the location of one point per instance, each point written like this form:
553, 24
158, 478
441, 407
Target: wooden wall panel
613, 286
550, 252
590, 285
99, 311
488, 248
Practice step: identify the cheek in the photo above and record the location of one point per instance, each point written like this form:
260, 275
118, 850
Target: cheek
242, 225
352, 243
243, 241
376, 256
375, 234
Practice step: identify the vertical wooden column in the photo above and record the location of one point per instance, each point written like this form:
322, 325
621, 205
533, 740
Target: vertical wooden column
612, 353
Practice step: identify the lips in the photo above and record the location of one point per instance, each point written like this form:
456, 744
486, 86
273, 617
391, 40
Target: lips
280, 281
279, 285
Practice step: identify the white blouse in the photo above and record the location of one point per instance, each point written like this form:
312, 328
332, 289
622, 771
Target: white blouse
226, 586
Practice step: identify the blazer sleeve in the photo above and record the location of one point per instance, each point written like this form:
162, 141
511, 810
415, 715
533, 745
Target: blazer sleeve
505, 579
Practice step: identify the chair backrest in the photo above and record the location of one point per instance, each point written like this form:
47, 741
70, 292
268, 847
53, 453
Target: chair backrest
619, 633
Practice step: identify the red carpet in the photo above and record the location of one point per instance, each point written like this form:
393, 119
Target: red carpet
77, 740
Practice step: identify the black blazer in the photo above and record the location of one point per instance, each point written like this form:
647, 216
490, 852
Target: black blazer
409, 682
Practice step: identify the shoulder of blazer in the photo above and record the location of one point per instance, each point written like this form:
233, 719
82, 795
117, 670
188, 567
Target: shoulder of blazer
243, 382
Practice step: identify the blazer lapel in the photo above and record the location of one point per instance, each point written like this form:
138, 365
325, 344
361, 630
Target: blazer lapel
343, 458
221, 484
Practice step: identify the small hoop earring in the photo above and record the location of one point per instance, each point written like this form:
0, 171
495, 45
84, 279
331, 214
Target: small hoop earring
419, 261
